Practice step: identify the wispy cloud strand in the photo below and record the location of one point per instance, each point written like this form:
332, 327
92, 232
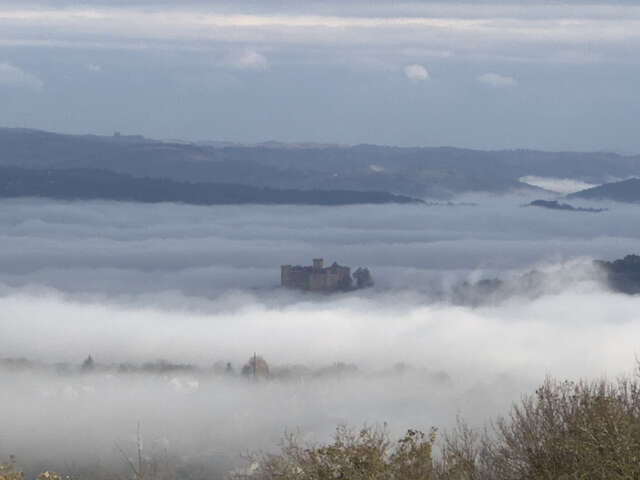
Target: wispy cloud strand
12, 76
496, 80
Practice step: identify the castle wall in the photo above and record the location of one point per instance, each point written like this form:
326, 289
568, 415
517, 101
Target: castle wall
332, 280
294, 277
316, 279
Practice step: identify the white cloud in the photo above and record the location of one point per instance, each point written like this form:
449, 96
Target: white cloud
251, 60
12, 76
416, 72
92, 67
497, 81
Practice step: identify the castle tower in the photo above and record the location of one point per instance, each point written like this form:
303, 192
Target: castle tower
318, 263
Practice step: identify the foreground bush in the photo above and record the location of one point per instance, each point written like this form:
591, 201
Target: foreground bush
9, 472
364, 455
565, 431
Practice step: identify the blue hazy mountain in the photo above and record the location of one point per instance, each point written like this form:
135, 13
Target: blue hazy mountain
433, 172
623, 191
88, 184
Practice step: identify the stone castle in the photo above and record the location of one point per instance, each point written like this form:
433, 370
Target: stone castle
317, 278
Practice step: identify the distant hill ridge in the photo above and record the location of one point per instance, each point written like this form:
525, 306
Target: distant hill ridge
555, 205
623, 191
90, 184
437, 172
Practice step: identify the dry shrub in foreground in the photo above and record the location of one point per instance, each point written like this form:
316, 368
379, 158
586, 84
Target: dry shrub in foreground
585, 430
8, 471
367, 454
565, 431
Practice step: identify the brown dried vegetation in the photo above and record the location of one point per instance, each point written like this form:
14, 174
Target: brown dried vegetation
565, 431
367, 454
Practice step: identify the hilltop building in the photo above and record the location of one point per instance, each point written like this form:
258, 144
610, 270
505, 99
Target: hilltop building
316, 278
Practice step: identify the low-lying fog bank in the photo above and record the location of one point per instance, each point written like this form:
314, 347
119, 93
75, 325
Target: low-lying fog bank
458, 360
131, 284
108, 248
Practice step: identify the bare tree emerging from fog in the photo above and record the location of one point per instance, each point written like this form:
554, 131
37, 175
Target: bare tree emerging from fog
88, 364
256, 367
150, 465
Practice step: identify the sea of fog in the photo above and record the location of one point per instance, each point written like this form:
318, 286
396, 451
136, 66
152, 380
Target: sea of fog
132, 283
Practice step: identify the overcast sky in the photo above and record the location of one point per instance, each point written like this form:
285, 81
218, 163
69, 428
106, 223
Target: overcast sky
546, 75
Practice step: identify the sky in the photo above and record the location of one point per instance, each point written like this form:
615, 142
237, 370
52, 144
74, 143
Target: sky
503, 74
